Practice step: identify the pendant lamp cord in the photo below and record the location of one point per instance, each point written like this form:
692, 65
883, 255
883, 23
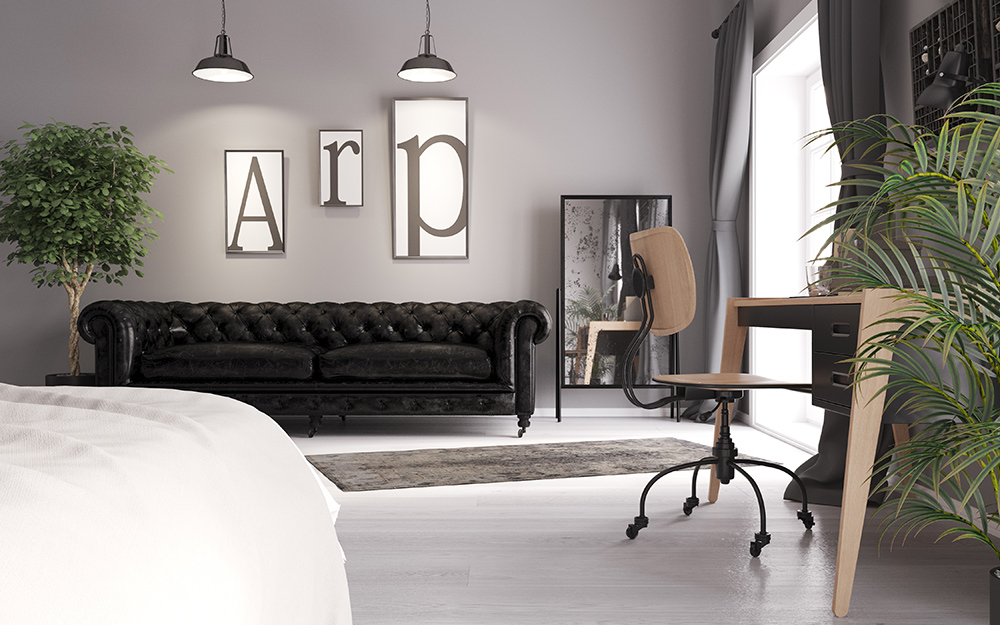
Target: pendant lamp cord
427, 39
224, 16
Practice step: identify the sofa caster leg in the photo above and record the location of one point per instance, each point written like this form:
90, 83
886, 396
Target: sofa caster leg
523, 421
314, 422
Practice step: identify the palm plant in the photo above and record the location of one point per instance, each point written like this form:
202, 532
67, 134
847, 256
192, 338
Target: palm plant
926, 227
589, 305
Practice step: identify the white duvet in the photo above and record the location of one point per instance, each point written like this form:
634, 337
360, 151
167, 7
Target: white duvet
147, 506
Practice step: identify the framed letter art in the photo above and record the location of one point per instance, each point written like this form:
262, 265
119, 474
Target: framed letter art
430, 178
341, 156
255, 201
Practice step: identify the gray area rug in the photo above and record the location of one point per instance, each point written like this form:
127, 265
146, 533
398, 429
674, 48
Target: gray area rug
504, 463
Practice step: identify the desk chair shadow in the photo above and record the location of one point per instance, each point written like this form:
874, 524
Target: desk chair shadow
663, 279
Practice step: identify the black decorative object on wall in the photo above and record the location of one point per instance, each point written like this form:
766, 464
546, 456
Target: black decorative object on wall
966, 23
341, 168
430, 178
255, 201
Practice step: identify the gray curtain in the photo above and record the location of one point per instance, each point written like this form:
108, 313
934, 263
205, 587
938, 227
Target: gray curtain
655, 352
611, 250
730, 150
729, 154
621, 218
852, 72
852, 76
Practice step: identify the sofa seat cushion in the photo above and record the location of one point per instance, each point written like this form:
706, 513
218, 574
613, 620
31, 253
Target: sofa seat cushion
406, 361
229, 361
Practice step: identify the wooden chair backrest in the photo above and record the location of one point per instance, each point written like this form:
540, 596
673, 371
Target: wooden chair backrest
674, 293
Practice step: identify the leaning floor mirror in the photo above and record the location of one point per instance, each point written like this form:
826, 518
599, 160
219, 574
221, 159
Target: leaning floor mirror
598, 311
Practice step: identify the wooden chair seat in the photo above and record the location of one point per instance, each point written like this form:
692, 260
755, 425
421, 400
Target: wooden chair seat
728, 382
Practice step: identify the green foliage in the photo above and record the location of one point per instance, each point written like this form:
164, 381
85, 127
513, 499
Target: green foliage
590, 305
72, 208
948, 476
929, 233
73, 205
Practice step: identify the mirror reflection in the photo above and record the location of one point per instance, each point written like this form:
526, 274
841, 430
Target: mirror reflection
599, 311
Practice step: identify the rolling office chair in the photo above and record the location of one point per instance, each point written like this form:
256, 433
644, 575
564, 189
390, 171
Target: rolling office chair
663, 279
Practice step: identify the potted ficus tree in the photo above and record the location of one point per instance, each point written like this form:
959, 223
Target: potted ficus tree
930, 233
71, 204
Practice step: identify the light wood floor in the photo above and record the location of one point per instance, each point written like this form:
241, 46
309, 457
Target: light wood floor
555, 552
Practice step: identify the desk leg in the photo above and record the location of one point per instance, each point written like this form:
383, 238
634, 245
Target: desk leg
733, 342
591, 352
900, 433
862, 440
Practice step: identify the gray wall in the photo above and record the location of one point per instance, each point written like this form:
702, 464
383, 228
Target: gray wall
565, 96
770, 16
616, 98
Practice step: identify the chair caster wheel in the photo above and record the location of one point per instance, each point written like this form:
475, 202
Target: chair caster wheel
690, 504
760, 539
520, 433
633, 529
807, 519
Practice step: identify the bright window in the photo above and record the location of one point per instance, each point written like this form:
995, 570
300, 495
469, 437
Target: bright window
790, 181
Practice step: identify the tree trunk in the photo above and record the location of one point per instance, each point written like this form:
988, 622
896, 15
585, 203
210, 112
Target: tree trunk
74, 291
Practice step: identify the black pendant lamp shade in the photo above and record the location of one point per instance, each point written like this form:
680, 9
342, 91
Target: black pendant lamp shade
427, 66
950, 81
222, 66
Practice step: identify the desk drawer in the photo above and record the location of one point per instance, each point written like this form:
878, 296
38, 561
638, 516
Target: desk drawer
831, 381
835, 328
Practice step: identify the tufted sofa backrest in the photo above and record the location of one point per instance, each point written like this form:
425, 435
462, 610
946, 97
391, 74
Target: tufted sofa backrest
328, 325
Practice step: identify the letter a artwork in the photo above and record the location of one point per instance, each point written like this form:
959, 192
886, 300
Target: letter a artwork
255, 175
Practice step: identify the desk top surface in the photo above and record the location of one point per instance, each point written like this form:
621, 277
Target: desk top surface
612, 326
746, 302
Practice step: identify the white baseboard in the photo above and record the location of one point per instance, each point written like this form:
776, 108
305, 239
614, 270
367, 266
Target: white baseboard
624, 411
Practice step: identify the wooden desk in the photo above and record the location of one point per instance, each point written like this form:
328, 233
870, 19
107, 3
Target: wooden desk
865, 410
594, 329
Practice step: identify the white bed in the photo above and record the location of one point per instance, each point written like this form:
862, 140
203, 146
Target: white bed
147, 506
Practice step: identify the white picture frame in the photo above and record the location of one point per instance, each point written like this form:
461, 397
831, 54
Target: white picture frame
255, 201
341, 168
430, 174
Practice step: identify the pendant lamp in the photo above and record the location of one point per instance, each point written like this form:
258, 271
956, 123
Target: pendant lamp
222, 66
427, 66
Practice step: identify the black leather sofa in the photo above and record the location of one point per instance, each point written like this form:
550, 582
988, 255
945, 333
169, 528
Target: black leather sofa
328, 358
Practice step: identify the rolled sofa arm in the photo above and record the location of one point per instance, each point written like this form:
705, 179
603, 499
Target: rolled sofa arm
516, 330
120, 331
